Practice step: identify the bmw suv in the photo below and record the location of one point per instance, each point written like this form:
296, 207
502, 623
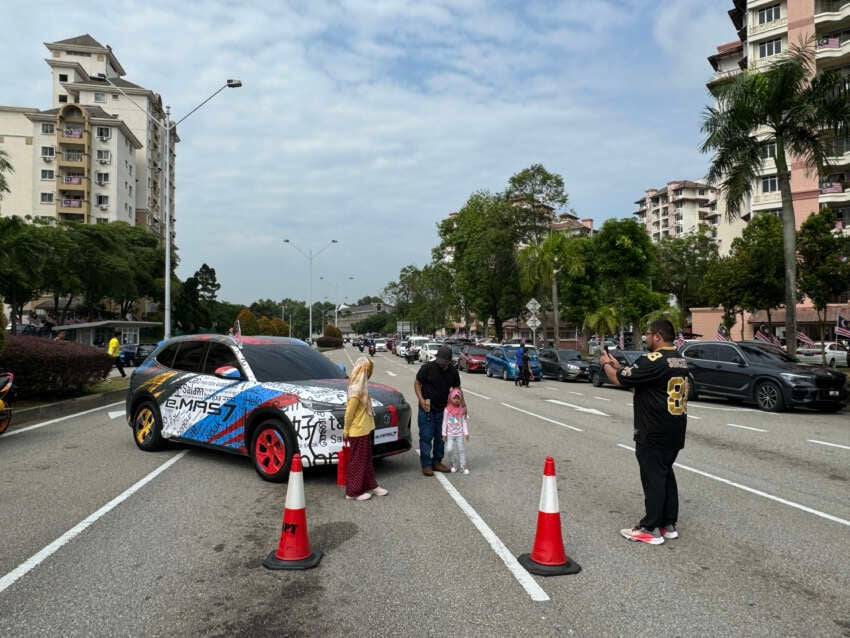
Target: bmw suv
761, 373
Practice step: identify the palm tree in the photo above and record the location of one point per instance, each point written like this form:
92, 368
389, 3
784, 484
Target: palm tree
5, 167
789, 105
604, 320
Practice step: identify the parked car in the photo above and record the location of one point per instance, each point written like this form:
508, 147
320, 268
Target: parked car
472, 358
428, 351
563, 364
832, 353
626, 358
267, 399
133, 354
501, 362
594, 347
764, 374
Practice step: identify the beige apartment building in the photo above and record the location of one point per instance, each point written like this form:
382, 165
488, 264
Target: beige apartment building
94, 156
765, 29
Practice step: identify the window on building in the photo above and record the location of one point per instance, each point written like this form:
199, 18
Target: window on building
115, 97
47, 173
769, 184
101, 178
48, 151
63, 77
770, 47
769, 14
104, 156
102, 200
63, 98
102, 220
46, 198
104, 132
99, 97
701, 191
47, 128
768, 150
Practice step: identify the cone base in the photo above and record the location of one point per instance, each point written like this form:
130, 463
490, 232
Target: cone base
570, 567
273, 562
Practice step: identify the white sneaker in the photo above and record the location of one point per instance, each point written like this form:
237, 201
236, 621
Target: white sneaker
453, 468
380, 491
365, 496
466, 470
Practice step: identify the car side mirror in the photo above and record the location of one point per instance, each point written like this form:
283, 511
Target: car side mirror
228, 372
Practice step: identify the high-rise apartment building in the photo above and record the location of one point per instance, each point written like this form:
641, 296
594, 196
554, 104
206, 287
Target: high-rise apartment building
97, 155
766, 29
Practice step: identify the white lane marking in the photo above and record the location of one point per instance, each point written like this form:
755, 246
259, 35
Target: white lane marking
391, 373
476, 394
752, 490
578, 394
745, 427
34, 561
544, 418
601, 399
57, 420
577, 408
115, 414
843, 447
518, 571
717, 407
691, 416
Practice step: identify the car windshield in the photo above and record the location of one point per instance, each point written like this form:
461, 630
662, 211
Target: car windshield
280, 362
483, 351
570, 355
766, 352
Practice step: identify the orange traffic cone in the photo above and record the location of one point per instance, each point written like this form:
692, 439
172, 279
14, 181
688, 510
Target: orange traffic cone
293, 550
548, 557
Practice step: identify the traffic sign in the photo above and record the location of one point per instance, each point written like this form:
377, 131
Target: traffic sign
533, 323
533, 306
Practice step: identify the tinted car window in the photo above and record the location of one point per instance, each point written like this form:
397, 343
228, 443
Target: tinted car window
766, 353
483, 351
693, 352
190, 356
166, 357
219, 355
289, 363
727, 354
570, 355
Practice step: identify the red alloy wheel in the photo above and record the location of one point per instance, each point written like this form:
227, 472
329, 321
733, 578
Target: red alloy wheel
269, 450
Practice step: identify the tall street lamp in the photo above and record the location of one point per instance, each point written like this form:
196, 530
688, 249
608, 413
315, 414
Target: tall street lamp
168, 126
309, 255
336, 298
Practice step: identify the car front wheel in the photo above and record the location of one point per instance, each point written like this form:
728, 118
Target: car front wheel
488, 371
596, 380
505, 374
272, 449
769, 397
147, 427
561, 376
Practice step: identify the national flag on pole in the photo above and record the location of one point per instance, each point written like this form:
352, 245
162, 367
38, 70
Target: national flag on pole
829, 43
722, 333
842, 326
806, 339
761, 334
680, 340
237, 334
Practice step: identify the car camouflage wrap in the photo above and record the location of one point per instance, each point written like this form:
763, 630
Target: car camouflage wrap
214, 410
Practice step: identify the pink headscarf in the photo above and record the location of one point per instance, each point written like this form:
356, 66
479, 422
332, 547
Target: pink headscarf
451, 408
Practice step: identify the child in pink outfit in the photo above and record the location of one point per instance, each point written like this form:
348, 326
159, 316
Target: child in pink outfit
456, 430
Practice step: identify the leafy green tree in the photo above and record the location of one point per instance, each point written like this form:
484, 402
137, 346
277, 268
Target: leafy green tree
22, 251
788, 108
823, 273
190, 315
722, 287
372, 323
760, 268
5, 167
208, 285
57, 277
681, 266
535, 195
248, 322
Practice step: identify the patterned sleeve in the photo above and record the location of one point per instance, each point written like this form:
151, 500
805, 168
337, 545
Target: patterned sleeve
648, 367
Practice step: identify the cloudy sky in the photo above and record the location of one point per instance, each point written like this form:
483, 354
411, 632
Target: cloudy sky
369, 121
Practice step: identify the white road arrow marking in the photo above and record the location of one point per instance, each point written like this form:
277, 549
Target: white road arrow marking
115, 414
577, 408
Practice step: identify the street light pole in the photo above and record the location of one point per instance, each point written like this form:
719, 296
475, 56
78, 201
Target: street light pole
167, 127
309, 255
336, 297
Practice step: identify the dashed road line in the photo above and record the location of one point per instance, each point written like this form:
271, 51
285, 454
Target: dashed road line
843, 447
542, 418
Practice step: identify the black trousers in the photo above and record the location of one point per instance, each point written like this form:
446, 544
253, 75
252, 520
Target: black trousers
119, 366
660, 493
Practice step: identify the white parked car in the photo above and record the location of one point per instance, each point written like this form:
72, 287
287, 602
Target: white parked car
428, 352
835, 354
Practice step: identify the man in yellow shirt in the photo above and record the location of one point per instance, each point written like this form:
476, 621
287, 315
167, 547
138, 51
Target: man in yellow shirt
113, 351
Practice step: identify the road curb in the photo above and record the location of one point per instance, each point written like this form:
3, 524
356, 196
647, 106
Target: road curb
63, 408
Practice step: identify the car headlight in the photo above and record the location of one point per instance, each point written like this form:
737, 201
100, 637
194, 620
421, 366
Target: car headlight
320, 406
512, 364
572, 366
793, 379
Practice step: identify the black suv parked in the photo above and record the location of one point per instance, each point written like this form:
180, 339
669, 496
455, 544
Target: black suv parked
761, 373
562, 364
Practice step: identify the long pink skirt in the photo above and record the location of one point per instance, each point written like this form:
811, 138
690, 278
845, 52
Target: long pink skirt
360, 474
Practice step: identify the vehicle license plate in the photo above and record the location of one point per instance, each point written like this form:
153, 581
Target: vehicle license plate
833, 393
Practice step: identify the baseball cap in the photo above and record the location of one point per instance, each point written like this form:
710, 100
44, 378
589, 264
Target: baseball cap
444, 355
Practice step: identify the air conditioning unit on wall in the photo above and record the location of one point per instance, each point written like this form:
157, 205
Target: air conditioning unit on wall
103, 207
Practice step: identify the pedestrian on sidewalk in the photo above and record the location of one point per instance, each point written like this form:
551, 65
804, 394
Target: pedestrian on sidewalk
114, 350
660, 382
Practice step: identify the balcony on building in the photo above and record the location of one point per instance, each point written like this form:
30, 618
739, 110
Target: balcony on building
72, 208
72, 135
71, 183
828, 12
831, 49
75, 159
835, 190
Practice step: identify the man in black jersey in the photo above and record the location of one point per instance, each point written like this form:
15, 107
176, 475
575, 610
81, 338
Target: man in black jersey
660, 382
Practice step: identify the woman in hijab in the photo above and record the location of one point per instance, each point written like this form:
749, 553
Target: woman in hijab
360, 483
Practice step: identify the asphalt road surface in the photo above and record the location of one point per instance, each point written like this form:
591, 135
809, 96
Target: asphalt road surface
101, 539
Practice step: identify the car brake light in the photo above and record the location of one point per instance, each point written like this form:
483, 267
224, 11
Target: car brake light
393, 415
